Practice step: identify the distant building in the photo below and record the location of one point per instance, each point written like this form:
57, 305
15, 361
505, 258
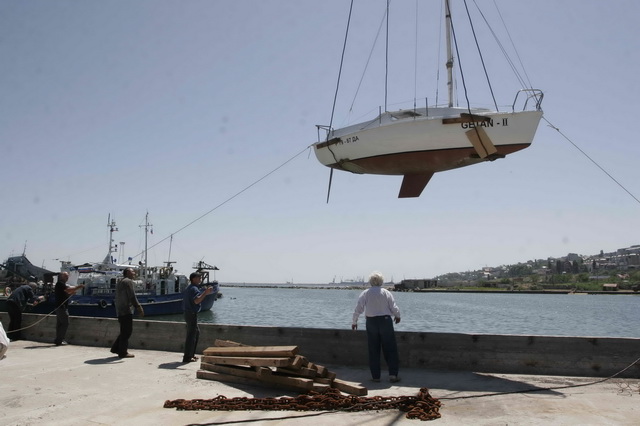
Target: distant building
415, 284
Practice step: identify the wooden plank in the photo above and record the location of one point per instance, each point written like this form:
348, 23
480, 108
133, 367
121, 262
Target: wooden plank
253, 351
227, 343
231, 370
267, 376
349, 387
227, 378
300, 372
323, 380
466, 118
252, 361
320, 387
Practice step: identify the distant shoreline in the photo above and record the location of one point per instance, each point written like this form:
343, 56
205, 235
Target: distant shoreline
429, 290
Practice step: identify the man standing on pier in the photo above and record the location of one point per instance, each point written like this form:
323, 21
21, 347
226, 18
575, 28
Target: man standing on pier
63, 293
126, 300
192, 303
379, 307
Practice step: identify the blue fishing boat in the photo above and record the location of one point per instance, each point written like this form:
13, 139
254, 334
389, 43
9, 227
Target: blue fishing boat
158, 289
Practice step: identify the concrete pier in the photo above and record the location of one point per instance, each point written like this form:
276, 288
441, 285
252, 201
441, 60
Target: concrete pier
82, 383
504, 354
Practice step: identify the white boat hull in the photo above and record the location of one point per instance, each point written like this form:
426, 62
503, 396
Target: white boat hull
403, 143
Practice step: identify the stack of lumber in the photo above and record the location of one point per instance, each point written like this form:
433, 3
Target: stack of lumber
272, 366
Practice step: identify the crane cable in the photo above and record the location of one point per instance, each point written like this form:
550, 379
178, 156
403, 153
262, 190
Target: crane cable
591, 159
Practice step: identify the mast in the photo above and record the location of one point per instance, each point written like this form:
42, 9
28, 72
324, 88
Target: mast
169, 262
111, 224
146, 227
447, 14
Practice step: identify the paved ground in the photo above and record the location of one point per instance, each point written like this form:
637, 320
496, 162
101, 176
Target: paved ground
76, 385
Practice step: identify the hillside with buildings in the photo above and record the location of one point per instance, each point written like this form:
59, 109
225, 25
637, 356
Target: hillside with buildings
617, 270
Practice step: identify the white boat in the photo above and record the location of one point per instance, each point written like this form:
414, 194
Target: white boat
419, 142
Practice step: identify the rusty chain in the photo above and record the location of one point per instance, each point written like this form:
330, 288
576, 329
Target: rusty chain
423, 406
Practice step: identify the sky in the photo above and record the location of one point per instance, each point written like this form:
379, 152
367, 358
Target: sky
201, 114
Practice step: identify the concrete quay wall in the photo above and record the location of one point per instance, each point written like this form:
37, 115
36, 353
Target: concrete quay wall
507, 354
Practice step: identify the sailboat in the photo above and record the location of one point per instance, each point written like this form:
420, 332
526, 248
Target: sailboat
418, 142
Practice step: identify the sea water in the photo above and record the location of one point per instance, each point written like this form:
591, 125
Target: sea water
474, 313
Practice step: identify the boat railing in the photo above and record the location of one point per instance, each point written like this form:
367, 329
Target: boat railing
535, 94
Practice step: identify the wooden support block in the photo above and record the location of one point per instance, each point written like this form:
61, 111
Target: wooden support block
251, 361
299, 361
322, 371
349, 387
481, 142
300, 372
227, 343
331, 375
253, 351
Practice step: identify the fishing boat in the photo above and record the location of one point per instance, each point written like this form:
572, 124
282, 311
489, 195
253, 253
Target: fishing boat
418, 142
158, 289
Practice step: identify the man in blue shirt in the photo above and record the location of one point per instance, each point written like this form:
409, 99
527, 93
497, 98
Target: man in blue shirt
193, 297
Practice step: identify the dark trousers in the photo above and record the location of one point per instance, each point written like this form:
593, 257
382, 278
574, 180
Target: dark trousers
193, 334
15, 320
121, 345
380, 335
62, 324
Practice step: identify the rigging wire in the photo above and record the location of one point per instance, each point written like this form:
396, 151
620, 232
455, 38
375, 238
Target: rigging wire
484, 67
415, 60
386, 61
366, 66
592, 160
228, 199
504, 24
519, 77
344, 47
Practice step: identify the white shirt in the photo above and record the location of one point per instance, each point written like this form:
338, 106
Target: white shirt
375, 302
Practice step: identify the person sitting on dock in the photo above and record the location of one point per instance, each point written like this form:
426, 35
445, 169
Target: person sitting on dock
192, 300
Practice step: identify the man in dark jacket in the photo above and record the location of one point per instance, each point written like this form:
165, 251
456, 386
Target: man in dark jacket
63, 293
126, 300
16, 303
